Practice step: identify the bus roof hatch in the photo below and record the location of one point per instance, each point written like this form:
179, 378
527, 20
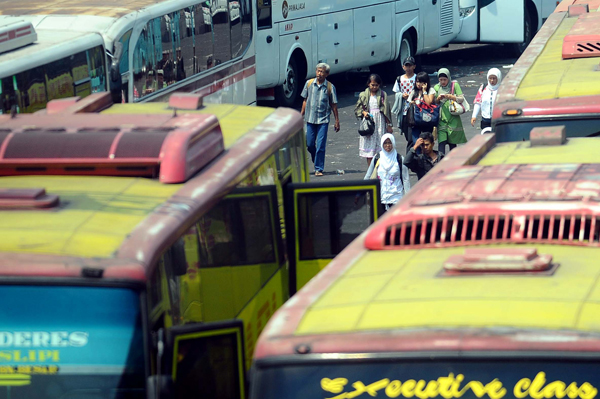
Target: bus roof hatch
15, 34
583, 40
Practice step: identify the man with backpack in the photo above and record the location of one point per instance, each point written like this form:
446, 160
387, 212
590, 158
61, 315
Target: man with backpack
320, 100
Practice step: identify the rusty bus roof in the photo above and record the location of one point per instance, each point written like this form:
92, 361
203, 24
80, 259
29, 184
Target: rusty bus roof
543, 83
123, 224
389, 290
104, 8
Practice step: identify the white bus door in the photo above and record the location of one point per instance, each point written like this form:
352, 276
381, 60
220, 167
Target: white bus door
267, 42
336, 40
429, 16
373, 34
497, 21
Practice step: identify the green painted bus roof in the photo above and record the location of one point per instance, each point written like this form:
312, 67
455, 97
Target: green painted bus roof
391, 290
552, 77
97, 213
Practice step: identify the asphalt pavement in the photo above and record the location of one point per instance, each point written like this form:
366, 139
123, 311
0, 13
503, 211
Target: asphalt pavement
468, 64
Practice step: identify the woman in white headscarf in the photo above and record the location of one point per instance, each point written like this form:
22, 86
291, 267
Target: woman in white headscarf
388, 167
485, 99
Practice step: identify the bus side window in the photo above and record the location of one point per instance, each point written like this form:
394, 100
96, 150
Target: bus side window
183, 45
236, 28
96, 69
124, 61
222, 36
237, 232
203, 38
165, 69
264, 14
31, 87
80, 72
59, 82
246, 17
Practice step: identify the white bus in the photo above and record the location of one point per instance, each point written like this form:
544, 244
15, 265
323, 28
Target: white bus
167, 46
292, 36
60, 64
503, 21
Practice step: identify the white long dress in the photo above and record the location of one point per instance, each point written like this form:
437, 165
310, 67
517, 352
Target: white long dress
369, 146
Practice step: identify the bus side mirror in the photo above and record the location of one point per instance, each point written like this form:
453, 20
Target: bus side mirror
116, 83
159, 387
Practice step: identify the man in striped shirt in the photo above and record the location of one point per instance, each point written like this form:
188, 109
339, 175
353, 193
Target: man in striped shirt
319, 101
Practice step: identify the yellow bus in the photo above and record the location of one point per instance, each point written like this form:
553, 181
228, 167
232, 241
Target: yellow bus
555, 81
481, 283
143, 247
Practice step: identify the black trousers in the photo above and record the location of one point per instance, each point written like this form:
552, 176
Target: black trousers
485, 123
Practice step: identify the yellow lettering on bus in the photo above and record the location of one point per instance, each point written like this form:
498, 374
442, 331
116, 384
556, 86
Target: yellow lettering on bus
393, 389
408, 388
449, 388
521, 388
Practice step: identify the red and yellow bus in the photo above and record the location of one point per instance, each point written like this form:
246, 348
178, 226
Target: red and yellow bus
143, 247
555, 81
481, 283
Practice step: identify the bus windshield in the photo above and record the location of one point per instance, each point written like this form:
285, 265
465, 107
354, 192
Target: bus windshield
443, 379
519, 130
70, 342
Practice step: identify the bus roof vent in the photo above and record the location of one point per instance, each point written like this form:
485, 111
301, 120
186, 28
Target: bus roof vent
549, 135
497, 260
575, 10
477, 229
26, 198
170, 148
15, 34
555, 204
583, 40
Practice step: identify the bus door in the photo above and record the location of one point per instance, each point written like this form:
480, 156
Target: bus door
322, 219
240, 250
205, 361
267, 45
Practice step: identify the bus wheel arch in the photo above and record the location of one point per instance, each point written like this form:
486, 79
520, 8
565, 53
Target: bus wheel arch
530, 22
287, 94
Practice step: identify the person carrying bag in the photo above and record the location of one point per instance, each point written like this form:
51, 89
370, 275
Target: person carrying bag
373, 104
423, 112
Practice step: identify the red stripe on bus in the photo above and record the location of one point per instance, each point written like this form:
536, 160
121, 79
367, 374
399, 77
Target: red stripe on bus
23, 34
220, 85
207, 85
23, 28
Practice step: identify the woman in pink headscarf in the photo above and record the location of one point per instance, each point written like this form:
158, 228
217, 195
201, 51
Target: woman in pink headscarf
484, 101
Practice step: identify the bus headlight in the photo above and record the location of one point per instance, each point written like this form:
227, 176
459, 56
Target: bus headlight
465, 12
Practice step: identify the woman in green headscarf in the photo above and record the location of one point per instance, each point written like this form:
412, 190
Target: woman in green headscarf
450, 127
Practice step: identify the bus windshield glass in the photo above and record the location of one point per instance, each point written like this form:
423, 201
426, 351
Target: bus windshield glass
442, 379
519, 130
70, 342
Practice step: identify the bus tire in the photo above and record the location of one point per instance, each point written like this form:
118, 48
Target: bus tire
517, 49
288, 93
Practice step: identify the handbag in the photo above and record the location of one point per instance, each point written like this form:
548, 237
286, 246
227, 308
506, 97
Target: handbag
426, 116
366, 126
457, 108
410, 115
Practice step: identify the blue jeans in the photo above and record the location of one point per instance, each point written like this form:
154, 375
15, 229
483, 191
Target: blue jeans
317, 134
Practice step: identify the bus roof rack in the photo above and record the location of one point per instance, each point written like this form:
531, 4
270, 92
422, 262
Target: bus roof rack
16, 33
76, 141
